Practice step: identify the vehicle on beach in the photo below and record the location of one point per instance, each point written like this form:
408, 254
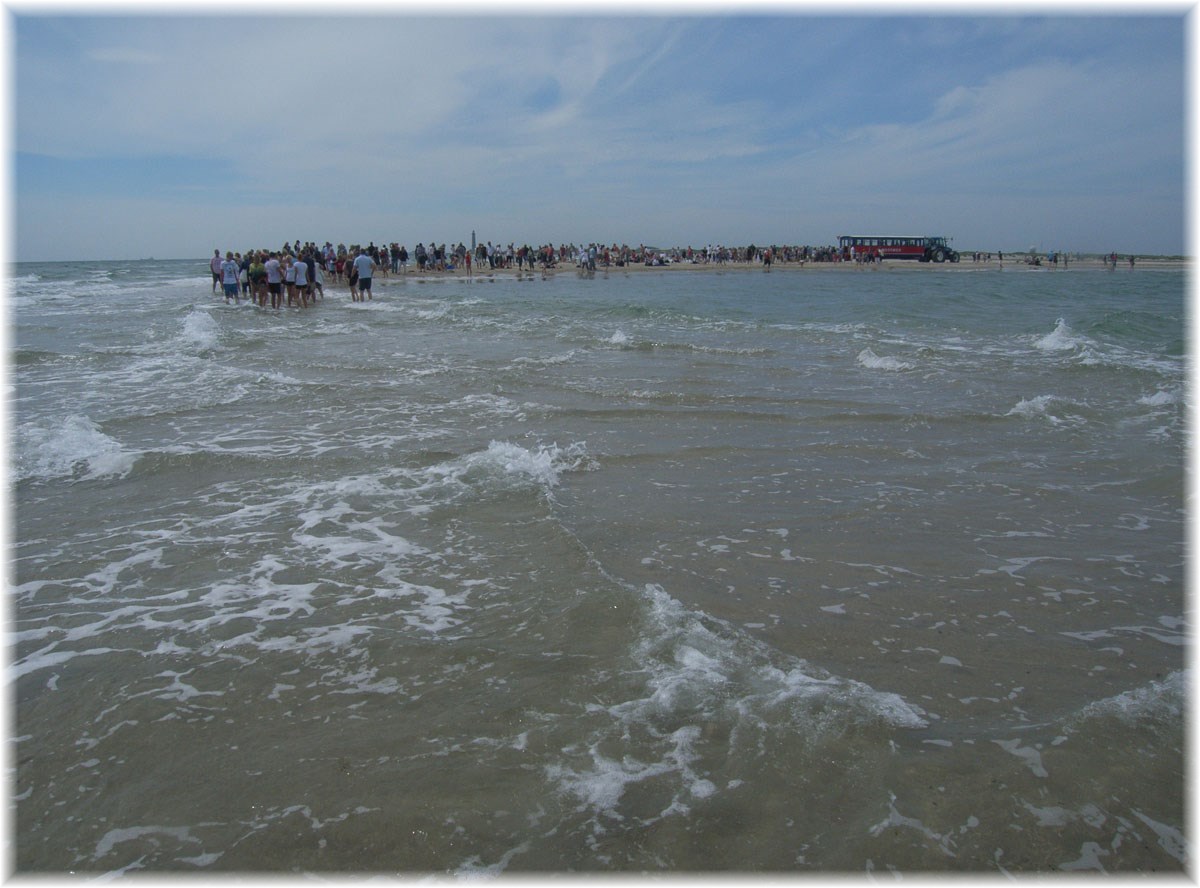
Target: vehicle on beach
923, 249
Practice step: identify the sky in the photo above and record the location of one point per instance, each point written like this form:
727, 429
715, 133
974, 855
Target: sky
139, 132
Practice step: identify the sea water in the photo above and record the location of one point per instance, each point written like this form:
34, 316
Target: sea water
810, 571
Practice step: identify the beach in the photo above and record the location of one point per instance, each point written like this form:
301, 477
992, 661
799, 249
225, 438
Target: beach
648, 571
1090, 263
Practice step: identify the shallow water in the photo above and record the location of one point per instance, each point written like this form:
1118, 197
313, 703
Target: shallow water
814, 571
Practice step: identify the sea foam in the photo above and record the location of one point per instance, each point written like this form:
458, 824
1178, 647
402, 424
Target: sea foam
1157, 700
200, 331
700, 671
542, 465
1062, 338
74, 447
872, 361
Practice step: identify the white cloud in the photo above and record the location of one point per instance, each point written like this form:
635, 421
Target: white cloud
543, 125
1047, 126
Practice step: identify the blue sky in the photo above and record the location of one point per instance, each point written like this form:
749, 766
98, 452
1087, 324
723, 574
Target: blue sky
166, 135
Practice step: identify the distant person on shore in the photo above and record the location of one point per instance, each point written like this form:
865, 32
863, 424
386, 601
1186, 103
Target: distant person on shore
365, 267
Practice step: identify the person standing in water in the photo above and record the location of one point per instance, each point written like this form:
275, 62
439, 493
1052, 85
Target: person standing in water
274, 280
214, 265
365, 267
230, 269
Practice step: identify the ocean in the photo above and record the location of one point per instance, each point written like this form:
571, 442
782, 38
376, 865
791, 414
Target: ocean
819, 571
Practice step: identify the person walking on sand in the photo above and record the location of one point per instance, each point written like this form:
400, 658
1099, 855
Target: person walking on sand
365, 267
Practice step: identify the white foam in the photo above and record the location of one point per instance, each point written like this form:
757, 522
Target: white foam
1031, 407
115, 837
1028, 754
549, 360
200, 331
1063, 338
543, 465
1158, 399
872, 361
698, 671
73, 447
1089, 858
47, 658
1158, 700
896, 820
1170, 839
1044, 407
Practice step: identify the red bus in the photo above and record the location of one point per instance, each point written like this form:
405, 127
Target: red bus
923, 249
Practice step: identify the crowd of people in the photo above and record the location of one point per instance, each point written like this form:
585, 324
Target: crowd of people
296, 274
293, 275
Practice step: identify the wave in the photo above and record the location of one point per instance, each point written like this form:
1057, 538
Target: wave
1160, 398
74, 447
872, 361
1062, 338
708, 688
504, 462
1138, 326
200, 331
1048, 407
1139, 352
1164, 700
548, 360
26, 356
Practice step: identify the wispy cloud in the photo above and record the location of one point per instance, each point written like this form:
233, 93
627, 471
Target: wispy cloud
653, 128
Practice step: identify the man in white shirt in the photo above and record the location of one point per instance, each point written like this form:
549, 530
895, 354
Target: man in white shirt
214, 265
365, 267
229, 277
302, 281
274, 280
